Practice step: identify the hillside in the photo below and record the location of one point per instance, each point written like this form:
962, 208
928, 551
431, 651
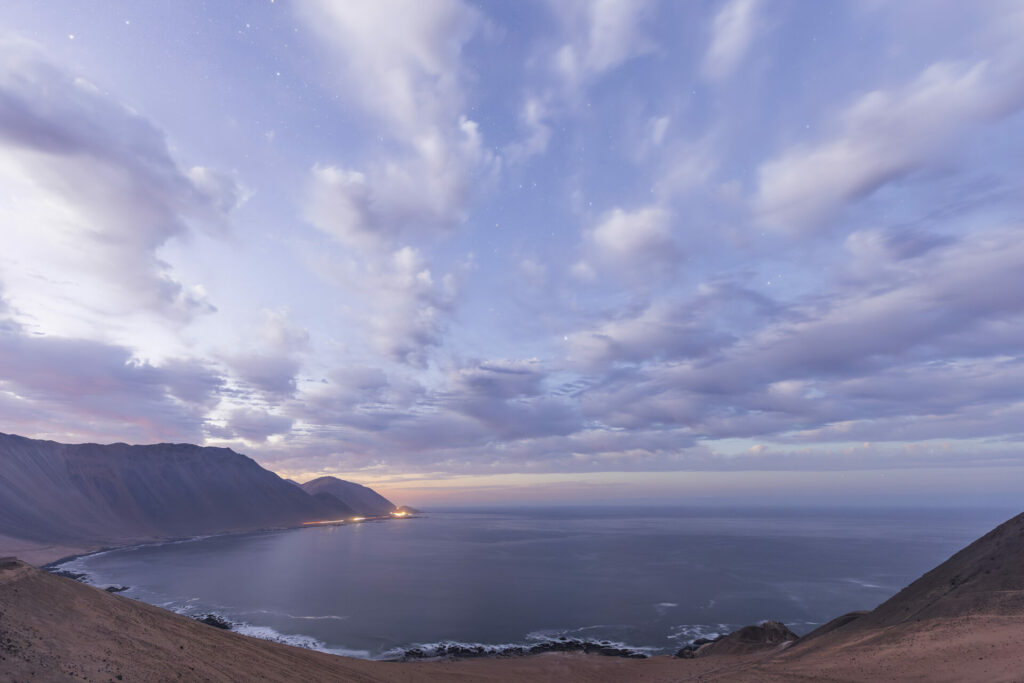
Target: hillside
57, 499
361, 499
987, 576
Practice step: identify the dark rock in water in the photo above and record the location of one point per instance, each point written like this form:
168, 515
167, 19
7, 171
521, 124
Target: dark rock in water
215, 621
562, 644
77, 576
116, 589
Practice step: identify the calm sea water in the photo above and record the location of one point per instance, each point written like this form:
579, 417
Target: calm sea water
651, 578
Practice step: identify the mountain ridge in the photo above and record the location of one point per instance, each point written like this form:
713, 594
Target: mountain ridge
361, 499
85, 496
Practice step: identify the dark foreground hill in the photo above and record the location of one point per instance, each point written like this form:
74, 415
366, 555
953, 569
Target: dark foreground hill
986, 577
949, 608
66, 498
52, 628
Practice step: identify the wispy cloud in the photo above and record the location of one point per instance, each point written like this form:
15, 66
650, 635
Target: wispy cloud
732, 32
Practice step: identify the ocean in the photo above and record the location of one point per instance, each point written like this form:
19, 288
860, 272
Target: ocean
643, 580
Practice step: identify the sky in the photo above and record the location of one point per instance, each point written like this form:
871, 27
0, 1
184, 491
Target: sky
528, 252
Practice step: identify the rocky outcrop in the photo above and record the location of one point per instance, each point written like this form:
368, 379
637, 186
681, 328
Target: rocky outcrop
769, 635
471, 650
215, 621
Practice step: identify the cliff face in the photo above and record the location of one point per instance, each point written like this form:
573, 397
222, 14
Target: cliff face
93, 493
361, 499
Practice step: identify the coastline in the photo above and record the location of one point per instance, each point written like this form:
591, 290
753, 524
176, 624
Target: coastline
44, 552
56, 629
941, 617
277, 623
959, 621
531, 646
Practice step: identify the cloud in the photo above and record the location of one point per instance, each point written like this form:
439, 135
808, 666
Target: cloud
427, 191
396, 301
534, 120
402, 60
279, 333
272, 374
402, 64
883, 136
94, 193
634, 243
508, 400
257, 425
602, 35
269, 361
732, 31
932, 337
366, 416
409, 307
502, 379
927, 352
661, 331
87, 389
533, 272
360, 398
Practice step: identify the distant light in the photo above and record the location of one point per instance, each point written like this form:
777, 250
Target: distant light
358, 519
399, 513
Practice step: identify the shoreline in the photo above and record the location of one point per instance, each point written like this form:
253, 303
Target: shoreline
442, 650
959, 621
145, 542
56, 629
465, 644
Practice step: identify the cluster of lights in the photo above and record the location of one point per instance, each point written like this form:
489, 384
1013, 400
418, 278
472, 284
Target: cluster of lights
395, 513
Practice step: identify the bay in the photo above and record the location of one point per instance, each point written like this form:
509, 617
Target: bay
650, 579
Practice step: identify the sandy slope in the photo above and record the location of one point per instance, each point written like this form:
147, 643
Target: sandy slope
53, 628
39, 552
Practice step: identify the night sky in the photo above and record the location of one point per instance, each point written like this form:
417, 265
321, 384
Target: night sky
503, 252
